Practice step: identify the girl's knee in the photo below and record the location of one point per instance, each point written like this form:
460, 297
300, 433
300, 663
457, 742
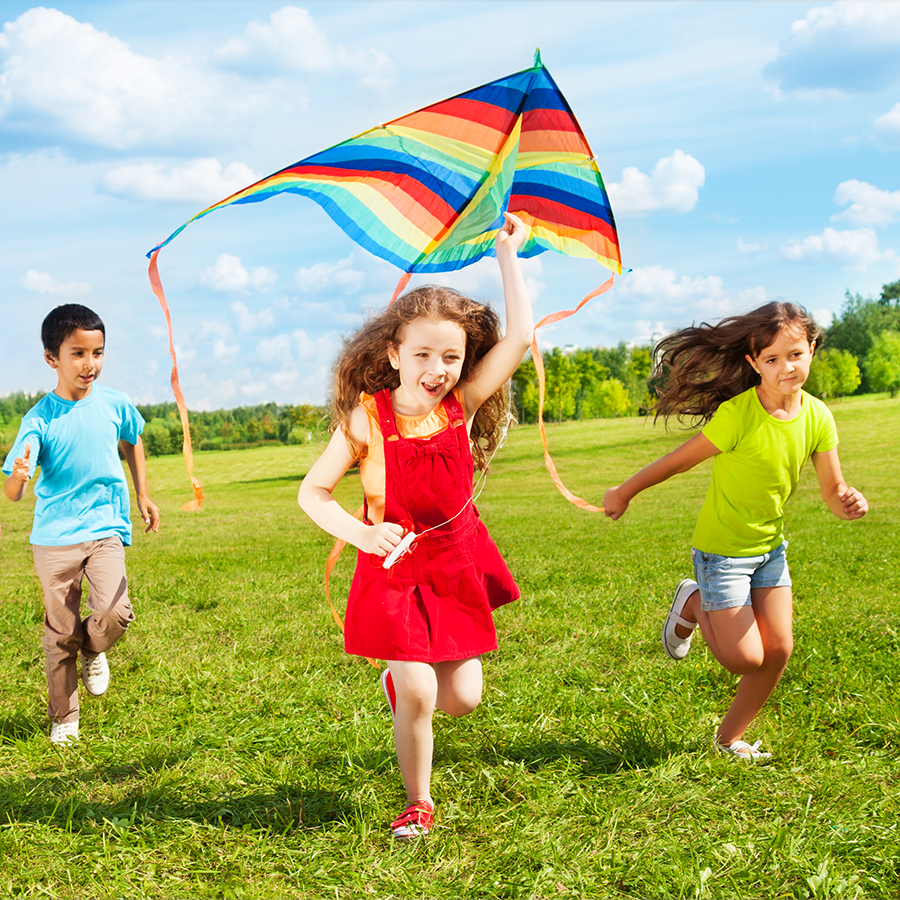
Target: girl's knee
461, 703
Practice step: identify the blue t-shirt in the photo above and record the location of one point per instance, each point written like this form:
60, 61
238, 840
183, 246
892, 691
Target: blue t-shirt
81, 494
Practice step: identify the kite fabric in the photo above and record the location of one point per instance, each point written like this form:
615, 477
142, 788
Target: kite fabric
427, 191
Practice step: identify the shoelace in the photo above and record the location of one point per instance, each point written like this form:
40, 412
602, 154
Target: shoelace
417, 813
93, 665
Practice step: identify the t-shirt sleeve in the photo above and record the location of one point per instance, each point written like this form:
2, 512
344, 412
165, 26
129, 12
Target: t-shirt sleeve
827, 437
132, 423
722, 428
28, 434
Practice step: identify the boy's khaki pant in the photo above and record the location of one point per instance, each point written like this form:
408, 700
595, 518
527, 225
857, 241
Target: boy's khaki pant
60, 570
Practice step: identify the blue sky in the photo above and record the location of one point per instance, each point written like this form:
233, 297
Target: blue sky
751, 151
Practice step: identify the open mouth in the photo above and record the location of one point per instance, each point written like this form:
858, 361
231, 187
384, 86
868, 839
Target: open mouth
432, 389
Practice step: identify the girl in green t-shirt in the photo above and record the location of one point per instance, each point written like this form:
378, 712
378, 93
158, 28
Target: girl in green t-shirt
742, 379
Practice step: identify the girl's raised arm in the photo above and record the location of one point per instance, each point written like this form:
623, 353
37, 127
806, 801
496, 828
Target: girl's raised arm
316, 500
499, 363
691, 453
845, 502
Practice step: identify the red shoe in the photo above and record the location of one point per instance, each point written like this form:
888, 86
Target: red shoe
387, 685
416, 821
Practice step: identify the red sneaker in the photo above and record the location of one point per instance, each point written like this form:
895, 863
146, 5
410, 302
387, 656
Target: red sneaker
415, 821
387, 685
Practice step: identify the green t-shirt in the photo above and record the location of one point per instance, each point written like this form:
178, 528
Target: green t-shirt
756, 472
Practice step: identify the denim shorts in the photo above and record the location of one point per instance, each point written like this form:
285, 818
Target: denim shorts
725, 581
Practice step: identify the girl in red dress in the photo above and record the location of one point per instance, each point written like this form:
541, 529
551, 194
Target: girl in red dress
418, 392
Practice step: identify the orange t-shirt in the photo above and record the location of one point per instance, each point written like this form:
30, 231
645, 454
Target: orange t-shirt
371, 467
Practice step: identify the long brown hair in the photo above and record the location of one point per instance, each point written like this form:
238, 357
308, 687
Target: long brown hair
364, 365
703, 366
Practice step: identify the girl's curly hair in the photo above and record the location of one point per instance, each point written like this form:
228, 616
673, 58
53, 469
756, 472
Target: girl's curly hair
701, 367
364, 365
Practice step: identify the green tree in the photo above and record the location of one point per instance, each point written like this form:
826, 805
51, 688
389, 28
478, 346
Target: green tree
156, 438
833, 373
607, 399
883, 363
561, 388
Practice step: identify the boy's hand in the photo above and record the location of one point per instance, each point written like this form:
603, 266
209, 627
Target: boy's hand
853, 504
22, 467
614, 505
512, 235
150, 514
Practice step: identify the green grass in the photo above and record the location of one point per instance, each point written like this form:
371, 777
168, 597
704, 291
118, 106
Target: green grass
239, 753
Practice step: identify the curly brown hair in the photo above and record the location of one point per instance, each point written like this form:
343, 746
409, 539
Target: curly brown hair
703, 366
364, 364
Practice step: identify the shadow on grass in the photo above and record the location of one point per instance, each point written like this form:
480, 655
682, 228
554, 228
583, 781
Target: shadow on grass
51, 802
17, 728
630, 747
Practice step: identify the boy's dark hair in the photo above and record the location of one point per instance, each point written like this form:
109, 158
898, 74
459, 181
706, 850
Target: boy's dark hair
63, 320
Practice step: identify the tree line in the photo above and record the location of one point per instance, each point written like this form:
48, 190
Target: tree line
859, 353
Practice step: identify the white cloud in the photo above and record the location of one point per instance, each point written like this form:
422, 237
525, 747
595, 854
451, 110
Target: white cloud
673, 186
42, 283
869, 204
823, 317
323, 275
229, 275
846, 47
225, 352
855, 249
292, 41
62, 74
200, 180
749, 248
660, 283
887, 128
248, 321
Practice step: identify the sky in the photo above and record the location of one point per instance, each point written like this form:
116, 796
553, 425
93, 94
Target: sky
751, 152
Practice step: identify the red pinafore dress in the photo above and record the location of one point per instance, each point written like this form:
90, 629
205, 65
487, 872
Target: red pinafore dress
435, 604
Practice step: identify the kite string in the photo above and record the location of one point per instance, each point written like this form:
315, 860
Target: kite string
187, 446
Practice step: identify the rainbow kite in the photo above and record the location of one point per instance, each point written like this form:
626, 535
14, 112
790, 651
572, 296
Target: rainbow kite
427, 191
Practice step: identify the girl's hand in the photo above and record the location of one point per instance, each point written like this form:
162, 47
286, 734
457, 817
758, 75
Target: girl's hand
512, 235
21, 471
614, 504
853, 504
379, 540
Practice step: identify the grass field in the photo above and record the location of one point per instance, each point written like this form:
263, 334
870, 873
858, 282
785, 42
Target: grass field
240, 754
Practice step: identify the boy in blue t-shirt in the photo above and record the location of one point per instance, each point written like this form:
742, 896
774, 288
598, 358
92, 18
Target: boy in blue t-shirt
81, 514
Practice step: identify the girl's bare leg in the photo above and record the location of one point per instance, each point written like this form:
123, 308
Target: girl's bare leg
416, 685
753, 641
459, 685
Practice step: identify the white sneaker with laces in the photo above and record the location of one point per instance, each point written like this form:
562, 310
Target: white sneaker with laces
63, 732
95, 673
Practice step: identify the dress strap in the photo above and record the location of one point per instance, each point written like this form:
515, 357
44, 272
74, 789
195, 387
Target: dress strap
386, 420
455, 415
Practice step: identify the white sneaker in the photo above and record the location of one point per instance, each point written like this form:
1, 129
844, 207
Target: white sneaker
64, 732
95, 673
677, 647
743, 750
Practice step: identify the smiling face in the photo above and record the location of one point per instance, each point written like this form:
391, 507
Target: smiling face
429, 357
78, 364
783, 367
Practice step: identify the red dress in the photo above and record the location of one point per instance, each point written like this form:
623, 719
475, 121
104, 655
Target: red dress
436, 603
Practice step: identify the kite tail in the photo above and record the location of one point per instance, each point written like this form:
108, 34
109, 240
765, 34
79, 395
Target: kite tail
187, 448
330, 563
539, 367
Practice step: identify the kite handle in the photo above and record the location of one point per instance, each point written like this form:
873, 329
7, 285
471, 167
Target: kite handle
187, 447
330, 563
538, 360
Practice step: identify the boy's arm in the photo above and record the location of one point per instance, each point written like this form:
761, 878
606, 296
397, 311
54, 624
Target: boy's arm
17, 483
845, 502
134, 456
691, 453
499, 363
316, 500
